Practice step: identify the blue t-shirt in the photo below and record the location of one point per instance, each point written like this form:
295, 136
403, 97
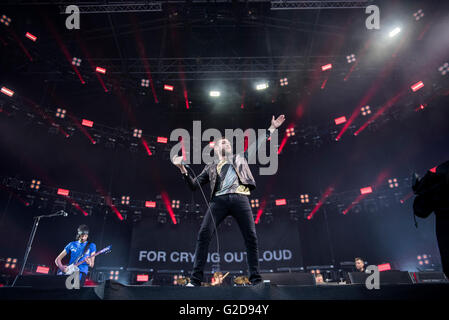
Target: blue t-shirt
76, 249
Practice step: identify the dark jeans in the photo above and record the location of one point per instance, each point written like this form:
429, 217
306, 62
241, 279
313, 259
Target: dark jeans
83, 277
237, 206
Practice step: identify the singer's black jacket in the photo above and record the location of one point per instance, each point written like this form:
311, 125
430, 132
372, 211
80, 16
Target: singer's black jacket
240, 164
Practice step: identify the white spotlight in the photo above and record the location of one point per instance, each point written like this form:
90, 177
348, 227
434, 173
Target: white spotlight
214, 93
394, 32
262, 86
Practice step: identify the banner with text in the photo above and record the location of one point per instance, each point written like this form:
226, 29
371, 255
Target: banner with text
172, 247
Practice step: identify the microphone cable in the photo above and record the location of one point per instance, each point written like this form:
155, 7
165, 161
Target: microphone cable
211, 214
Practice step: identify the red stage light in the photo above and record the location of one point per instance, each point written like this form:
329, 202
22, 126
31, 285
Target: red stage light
162, 139
30, 36
384, 267
434, 170
366, 190
142, 278
63, 192
87, 123
326, 67
281, 202
7, 91
168, 87
417, 86
43, 270
340, 120
150, 204
100, 70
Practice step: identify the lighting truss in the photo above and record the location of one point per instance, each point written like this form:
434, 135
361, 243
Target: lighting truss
302, 5
116, 7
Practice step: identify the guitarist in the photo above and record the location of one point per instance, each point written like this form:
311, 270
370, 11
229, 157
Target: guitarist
79, 250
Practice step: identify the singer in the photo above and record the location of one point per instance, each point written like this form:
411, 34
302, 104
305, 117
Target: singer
79, 250
231, 182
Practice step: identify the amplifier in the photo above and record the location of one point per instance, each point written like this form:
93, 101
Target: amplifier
428, 277
41, 281
385, 277
290, 278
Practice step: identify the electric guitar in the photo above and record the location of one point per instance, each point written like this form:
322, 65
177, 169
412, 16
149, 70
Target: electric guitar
74, 266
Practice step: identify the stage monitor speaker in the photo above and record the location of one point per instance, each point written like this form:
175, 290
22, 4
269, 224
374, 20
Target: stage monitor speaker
385, 277
290, 278
428, 277
41, 281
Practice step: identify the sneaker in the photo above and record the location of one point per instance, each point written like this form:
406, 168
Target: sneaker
191, 284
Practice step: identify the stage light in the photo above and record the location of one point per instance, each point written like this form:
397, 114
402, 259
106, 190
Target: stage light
113, 275
76, 61
63, 192
444, 69
417, 86
281, 202
340, 120
125, 200
145, 83
394, 32
350, 58
142, 278
87, 123
31, 37
7, 91
290, 132
214, 93
254, 203
366, 190
35, 184
393, 183
150, 204
304, 198
262, 86
418, 14
283, 82
424, 256
418, 257
137, 133
326, 67
42, 269
366, 110
162, 218
168, 87
100, 70
162, 139
60, 113
10, 263
175, 204
5, 20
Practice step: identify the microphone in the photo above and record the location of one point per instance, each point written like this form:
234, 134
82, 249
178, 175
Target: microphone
185, 164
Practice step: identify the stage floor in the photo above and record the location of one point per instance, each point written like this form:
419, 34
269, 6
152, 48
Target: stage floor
115, 291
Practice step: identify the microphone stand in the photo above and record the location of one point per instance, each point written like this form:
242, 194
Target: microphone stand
31, 239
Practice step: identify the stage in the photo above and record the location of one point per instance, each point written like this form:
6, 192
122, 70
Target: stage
111, 290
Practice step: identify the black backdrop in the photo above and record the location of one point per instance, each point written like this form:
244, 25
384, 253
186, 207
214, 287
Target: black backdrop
169, 246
